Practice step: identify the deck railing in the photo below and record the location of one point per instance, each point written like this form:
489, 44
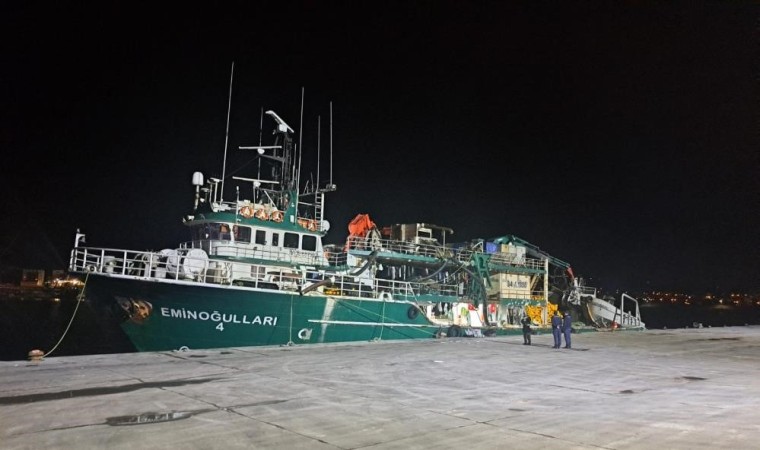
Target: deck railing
191, 265
230, 249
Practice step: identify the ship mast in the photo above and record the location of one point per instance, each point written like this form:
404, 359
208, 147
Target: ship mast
300, 145
227, 133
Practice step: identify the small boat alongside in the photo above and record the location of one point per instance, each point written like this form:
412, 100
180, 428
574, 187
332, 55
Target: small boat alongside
255, 271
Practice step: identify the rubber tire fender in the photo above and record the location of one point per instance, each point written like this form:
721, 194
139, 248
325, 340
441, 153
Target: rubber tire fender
412, 312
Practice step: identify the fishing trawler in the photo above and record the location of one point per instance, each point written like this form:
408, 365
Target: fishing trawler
255, 272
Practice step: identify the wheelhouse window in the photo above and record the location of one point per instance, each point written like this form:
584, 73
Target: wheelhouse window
224, 232
242, 234
290, 241
198, 233
211, 231
309, 242
261, 237
275, 239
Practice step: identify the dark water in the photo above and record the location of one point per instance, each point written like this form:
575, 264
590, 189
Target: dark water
661, 315
38, 321
30, 322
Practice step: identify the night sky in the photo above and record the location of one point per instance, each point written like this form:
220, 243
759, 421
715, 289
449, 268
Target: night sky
621, 137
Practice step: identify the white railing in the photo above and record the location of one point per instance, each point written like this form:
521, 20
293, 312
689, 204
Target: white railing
518, 294
231, 249
403, 247
191, 265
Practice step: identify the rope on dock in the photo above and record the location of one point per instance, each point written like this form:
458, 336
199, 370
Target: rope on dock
80, 299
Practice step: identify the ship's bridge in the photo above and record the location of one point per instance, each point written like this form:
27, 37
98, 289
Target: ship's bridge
239, 241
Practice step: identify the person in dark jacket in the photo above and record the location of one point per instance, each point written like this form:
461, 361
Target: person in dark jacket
567, 327
526, 330
557, 329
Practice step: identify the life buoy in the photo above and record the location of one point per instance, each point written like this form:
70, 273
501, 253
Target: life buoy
261, 214
246, 211
276, 216
412, 312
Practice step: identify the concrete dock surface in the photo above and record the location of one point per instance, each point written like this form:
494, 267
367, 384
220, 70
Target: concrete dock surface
661, 389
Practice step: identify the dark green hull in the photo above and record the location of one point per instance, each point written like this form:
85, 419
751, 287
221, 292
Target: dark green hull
168, 315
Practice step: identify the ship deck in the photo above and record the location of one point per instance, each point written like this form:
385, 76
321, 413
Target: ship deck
685, 388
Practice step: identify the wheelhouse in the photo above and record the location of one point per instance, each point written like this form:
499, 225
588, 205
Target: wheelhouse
242, 241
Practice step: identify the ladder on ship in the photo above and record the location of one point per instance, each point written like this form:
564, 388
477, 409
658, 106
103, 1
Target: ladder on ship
316, 207
319, 203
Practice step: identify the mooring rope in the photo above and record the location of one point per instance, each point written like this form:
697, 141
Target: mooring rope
80, 298
382, 318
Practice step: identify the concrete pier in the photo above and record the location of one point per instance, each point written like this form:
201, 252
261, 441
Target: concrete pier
662, 389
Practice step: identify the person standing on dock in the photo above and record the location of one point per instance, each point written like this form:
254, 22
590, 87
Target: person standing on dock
567, 327
526, 330
557, 329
